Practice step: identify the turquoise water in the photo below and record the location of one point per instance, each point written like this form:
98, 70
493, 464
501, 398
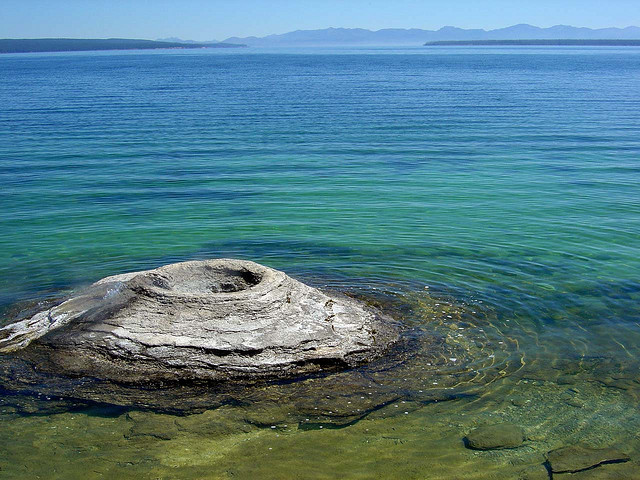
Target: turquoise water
505, 180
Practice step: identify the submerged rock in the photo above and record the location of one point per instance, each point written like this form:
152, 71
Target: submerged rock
213, 320
618, 471
577, 458
495, 437
534, 472
159, 426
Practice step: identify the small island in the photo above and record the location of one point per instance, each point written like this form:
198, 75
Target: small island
525, 43
33, 45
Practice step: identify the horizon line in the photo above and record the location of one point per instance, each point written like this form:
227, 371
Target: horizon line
327, 28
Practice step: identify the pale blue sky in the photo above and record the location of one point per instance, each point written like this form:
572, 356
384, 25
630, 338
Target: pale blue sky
219, 19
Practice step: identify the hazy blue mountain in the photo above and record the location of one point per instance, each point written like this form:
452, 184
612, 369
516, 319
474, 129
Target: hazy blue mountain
415, 36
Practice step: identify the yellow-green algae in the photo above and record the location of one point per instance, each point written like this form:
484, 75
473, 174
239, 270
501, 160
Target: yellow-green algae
418, 434
425, 443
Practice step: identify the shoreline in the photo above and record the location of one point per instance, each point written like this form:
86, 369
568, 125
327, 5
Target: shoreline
525, 43
51, 45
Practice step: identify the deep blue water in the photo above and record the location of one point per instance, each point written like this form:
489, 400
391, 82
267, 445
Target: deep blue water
508, 178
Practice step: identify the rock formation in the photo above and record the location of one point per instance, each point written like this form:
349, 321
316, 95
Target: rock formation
495, 437
213, 320
578, 458
195, 336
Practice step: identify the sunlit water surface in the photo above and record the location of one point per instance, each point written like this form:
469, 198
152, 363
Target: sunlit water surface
489, 196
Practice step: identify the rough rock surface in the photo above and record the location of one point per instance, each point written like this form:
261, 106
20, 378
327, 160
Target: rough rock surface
616, 471
534, 472
577, 458
494, 437
211, 320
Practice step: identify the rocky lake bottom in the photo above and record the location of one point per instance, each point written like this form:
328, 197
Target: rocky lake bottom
421, 412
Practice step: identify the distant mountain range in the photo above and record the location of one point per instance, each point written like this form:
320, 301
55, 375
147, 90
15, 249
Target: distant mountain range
522, 34
415, 36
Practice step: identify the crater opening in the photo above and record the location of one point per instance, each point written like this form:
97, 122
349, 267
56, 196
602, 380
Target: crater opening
233, 280
207, 279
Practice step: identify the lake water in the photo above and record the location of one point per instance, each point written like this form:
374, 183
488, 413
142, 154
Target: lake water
490, 196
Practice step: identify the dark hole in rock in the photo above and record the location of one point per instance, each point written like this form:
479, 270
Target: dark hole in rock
206, 279
231, 280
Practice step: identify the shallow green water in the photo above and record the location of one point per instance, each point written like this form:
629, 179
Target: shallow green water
505, 180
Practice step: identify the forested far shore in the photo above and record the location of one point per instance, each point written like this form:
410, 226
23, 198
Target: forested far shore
28, 45
559, 43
